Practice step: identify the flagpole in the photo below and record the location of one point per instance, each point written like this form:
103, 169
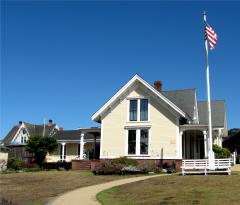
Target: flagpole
43, 127
210, 150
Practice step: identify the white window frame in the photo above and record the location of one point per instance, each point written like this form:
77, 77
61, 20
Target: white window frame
138, 109
138, 144
23, 137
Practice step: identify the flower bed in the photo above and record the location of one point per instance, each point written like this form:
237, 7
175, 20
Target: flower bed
124, 165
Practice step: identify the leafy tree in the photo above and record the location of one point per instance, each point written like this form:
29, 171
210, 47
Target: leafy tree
40, 146
233, 131
221, 152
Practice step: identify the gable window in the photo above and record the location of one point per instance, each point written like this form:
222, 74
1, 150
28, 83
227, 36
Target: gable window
24, 136
133, 110
138, 110
143, 109
137, 142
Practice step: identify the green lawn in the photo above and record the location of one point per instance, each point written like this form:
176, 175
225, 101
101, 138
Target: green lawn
163, 190
36, 188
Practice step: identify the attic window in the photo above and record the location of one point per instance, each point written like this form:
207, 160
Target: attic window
138, 109
24, 136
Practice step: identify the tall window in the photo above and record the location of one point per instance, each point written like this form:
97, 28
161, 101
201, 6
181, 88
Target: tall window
131, 141
24, 136
144, 109
133, 110
144, 142
138, 142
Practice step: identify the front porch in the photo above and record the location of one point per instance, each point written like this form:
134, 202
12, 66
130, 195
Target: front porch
83, 144
194, 141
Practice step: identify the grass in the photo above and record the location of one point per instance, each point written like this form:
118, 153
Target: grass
164, 190
35, 188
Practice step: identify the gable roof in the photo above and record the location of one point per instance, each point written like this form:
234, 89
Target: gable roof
137, 78
7, 140
218, 112
38, 129
32, 130
184, 99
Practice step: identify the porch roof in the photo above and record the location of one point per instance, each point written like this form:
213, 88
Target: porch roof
201, 127
74, 135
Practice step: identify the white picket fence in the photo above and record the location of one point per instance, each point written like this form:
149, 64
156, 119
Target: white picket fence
201, 166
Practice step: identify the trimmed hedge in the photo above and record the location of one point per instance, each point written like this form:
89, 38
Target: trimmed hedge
57, 165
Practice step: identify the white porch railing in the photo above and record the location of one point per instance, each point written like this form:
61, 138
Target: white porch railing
198, 166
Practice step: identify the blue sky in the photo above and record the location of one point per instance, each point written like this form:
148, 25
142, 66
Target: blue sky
63, 60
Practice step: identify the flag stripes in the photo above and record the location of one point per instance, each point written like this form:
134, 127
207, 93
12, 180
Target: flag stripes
210, 36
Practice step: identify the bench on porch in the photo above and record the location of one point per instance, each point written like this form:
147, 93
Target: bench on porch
201, 166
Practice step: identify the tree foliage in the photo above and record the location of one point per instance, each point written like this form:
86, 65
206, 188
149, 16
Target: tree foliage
221, 152
40, 146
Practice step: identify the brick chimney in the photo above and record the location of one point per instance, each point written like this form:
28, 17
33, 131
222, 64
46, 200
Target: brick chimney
20, 123
61, 129
158, 85
50, 122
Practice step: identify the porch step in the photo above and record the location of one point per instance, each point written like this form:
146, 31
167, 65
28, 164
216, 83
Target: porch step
81, 164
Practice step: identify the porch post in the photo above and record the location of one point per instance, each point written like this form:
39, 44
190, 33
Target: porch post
180, 145
205, 144
194, 145
81, 145
63, 149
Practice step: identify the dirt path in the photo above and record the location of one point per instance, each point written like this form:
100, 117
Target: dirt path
87, 195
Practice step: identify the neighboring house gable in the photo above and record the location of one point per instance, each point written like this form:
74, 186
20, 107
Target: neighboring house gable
18, 135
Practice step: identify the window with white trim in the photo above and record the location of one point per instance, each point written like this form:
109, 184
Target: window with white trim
24, 136
138, 109
133, 110
137, 141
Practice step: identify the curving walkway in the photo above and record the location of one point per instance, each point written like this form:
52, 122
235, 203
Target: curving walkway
87, 195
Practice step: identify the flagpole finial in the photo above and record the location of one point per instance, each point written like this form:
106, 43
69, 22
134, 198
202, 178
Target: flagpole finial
205, 16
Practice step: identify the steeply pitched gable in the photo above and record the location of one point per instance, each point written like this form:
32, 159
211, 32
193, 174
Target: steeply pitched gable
137, 79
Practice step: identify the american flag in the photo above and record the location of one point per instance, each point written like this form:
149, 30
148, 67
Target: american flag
211, 36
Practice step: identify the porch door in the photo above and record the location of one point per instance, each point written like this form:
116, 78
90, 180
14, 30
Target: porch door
192, 145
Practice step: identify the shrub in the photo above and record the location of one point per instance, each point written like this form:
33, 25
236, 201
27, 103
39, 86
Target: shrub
57, 165
221, 152
6, 202
149, 167
125, 160
107, 168
14, 163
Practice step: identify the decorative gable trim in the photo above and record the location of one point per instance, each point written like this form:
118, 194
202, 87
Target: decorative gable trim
17, 133
97, 116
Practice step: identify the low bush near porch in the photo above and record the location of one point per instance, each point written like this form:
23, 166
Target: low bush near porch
220, 152
123, 166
